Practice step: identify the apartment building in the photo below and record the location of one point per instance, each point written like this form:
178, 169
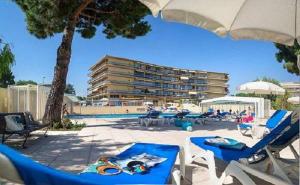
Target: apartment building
126, 79
293, 88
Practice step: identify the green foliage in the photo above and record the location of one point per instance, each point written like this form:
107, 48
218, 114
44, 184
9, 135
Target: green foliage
66, 124
7, 79
70, 89
267, 79
282, 103
288, 55
7, 60
46, 18
26, 82
116, 17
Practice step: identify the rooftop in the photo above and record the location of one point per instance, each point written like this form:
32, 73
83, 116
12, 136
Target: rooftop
155, 65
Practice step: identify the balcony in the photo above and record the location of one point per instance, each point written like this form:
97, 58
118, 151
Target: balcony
218, 78
102, 67
121, 64
218, 84
98, 85
92, 80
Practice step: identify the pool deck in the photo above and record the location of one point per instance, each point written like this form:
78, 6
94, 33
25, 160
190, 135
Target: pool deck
72, 151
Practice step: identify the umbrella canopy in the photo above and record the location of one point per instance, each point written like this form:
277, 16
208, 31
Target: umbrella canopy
294, 100
261, 87
273, 20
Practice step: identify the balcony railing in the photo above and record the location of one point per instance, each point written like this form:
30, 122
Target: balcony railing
92, 73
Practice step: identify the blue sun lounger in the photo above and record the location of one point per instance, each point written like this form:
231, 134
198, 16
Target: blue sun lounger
150, 118
279, 138
21, 169
179, 115
151, 114
272, 122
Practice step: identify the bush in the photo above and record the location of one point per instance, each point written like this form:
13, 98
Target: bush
66, 124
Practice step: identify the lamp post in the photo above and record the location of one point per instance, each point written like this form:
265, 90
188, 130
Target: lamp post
43, 80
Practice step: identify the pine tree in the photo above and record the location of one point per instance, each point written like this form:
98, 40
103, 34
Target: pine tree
46, 18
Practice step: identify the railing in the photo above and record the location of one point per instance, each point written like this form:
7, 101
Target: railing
120, 64
98, 77
98, 85
218, 78
97, 70
218, 84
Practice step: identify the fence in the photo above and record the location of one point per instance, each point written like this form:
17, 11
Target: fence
108, 109
3, 100
31, 98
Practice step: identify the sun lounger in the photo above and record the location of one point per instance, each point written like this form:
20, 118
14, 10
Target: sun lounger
200, 119
280, 137
207, 117
171, 118
179, 115
20, 169
272, 122
29, 125
151, 118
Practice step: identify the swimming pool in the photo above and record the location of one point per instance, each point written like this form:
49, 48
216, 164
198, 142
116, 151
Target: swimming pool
82, 116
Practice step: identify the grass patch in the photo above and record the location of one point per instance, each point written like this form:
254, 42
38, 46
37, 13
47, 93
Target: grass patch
67, 125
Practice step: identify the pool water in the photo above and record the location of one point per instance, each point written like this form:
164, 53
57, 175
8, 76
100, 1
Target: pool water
82, 116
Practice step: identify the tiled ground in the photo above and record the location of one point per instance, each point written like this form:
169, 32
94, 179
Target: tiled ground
73, 150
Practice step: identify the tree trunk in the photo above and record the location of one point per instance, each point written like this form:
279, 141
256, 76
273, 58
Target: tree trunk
54, 103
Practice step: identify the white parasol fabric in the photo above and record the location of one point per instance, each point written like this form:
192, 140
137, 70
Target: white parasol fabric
294, 100
273, 20
261, 87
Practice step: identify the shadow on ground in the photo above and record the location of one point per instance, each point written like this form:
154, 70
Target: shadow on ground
133, 125
69, 151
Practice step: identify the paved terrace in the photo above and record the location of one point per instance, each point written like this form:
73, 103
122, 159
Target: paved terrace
72, 151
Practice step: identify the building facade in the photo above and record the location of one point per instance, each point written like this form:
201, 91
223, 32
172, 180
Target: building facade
292, 88
125, 79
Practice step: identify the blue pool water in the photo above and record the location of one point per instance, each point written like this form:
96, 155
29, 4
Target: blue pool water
81, 116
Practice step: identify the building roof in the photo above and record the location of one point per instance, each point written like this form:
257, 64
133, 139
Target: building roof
173, 68
290, 84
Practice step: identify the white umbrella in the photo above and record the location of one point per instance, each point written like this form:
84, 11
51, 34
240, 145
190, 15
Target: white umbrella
273, 20
294, 100
261, 87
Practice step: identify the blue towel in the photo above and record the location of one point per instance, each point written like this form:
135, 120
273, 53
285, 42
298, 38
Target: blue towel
226, 143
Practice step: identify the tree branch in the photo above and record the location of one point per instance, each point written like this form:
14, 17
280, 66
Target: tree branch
86, 15
100, 11
84, 4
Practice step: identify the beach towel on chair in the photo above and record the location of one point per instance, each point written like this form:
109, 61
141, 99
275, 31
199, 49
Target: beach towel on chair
226, 143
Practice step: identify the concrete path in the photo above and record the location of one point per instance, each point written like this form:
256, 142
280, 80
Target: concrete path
72, 151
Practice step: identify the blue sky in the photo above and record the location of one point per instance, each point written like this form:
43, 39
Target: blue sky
170, 44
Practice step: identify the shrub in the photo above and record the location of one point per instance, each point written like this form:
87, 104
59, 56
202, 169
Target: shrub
66, 124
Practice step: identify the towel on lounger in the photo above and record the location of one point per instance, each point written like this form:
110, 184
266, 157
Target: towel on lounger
225, 143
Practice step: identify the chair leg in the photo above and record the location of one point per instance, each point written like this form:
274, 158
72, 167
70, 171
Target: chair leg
3, 138
45, 134
188, 152
26, 136
277, 168
176, 177
232, 170
182, 162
